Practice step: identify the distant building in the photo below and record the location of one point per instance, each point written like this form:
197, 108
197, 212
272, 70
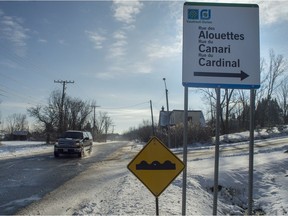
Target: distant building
177, 117
20, 135
2, 134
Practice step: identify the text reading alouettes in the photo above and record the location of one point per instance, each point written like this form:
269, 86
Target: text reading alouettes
208, 50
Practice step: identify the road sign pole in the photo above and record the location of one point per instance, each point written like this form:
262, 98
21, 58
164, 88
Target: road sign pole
251, 151
157, 206
185, 122
216, 166
153, 127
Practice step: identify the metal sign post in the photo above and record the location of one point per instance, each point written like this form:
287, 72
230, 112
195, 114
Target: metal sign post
153, 132
251, 151
216, 165
184, 181
157, 206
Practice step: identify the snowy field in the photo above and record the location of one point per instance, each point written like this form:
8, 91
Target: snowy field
10, 149
124, 194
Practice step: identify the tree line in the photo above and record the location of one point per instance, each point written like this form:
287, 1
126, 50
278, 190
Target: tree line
271, 100
59, 115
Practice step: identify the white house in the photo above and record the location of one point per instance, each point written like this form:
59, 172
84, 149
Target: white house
177, 117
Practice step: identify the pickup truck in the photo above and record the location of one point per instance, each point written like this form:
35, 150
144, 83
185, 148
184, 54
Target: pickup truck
74, 142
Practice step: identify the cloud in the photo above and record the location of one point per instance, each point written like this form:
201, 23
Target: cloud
96, 38
141, 67
13, 31
120, 35
116, 50
42, 40
62, 42
157, 50
273, 11
15, 105
104, 75
8, 63
123, 68
143, 61
125, 11
170, 44
118, 47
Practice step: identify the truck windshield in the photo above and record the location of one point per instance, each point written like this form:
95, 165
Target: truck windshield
73, 135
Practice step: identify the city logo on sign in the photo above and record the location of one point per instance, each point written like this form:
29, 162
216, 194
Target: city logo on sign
196, 14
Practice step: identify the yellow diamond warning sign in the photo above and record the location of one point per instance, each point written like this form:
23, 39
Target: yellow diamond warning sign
156, 166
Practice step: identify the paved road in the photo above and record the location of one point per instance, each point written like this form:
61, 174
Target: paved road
27, 179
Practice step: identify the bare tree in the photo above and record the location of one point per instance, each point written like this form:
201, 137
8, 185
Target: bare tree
46, 118
263, 86
103, 125
209, 96
243, 106
16, 122
283, 98
271, 82
228, 102
1, 122
277, 66
76, 114
103, 122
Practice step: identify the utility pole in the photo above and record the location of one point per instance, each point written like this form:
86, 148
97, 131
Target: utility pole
153, 128
94, 106
167, 105
61, 113
112, 135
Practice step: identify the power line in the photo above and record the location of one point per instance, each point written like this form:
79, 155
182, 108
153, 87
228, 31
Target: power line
9, 93
16, 61
129, 106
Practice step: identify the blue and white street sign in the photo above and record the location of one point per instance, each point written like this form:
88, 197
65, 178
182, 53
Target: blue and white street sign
221, 45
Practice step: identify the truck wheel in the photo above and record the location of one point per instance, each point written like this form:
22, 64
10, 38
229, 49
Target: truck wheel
56, 154
81, 154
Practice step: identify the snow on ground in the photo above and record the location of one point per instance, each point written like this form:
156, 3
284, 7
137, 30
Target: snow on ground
258, 134
124, 194
10, 149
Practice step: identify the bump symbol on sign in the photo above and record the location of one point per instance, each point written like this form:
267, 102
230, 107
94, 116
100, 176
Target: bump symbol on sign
156, 165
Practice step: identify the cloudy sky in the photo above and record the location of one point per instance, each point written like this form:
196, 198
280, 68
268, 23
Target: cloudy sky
117, 52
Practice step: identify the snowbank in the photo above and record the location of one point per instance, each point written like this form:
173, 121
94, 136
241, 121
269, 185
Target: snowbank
10, 149
126, 195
